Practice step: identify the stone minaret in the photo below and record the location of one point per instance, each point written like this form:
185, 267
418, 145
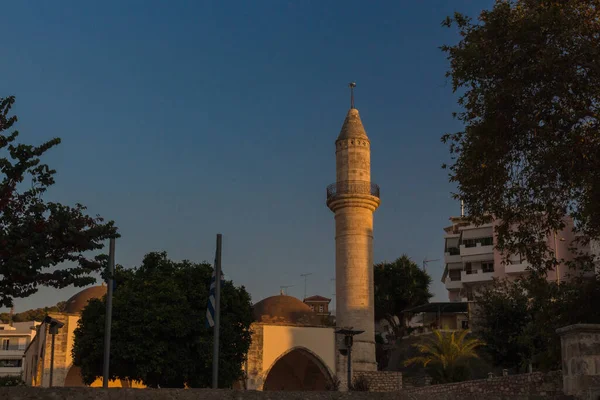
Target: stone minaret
353, 199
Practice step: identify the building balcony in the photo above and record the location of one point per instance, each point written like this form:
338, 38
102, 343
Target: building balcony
450, 284
476, 250
451, 258
476, 276
12, 352
11, 371
516, 268
352, 187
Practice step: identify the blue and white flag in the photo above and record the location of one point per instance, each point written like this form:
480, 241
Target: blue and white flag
210, 310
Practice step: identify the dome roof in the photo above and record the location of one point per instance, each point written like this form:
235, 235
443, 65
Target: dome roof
285, 310
352, 127
77, 302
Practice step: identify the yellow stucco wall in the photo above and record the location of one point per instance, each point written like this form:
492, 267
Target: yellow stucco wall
278, 340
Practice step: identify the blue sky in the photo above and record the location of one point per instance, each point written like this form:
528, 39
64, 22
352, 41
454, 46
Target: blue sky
184, 119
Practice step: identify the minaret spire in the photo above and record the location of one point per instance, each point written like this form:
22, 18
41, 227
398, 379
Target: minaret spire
353, 198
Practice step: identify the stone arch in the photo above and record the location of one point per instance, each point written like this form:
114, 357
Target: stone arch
298, 369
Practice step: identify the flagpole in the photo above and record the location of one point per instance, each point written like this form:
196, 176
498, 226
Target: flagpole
108, 320
217, 319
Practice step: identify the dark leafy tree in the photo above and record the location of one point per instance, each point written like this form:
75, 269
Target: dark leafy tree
528, 75
518, 320
36, 236
500, 315
159, 335
36, 314
399, 285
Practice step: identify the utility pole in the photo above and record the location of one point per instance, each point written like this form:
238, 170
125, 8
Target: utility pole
305, 276
108, 320
215, 376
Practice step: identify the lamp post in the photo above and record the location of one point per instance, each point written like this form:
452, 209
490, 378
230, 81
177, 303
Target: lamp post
349, 334
557, 269
54, 326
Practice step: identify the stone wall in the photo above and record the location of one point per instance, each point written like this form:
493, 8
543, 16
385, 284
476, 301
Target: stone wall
254, 365
36, 393
535, 384
382, 381
580, 347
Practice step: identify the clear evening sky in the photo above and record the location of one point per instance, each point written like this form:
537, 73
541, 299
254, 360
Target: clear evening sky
184, 119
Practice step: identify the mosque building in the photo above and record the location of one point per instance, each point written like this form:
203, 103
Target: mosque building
293, 347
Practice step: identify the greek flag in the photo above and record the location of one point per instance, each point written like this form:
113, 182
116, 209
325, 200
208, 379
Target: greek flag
210, 310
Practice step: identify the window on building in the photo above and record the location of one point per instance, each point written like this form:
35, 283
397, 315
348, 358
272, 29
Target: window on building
468, 268
10, 363
487, 266
469, 295
5, 344
465, 324
452, 246
321, 308
485, 241
21, 343
454, 274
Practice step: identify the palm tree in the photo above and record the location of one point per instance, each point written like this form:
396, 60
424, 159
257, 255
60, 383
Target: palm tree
445, 355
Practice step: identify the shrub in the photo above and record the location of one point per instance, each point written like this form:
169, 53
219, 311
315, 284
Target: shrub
11, 381
360, 384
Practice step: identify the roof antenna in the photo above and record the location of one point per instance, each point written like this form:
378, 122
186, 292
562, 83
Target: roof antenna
352, 85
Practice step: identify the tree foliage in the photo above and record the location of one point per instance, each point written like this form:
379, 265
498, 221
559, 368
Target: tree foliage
446, 355
37, 236
36, 314
158, 331
518, 320
528, 74
399, 285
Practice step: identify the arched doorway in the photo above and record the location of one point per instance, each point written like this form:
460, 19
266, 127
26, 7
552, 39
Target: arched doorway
297, 370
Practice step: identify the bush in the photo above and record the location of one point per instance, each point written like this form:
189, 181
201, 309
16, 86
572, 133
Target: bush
334, 385
11, 381
360, 384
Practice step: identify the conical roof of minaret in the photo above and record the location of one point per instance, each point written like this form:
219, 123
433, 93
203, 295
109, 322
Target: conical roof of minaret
353, 127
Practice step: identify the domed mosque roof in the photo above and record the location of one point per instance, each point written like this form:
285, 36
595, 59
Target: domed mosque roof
283, 309
77, 303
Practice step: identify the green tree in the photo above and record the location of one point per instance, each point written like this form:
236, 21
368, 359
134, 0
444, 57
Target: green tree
528, 74
158, 332
518, 320
399, 285
38, 236
446, 355
501, 313
36, 314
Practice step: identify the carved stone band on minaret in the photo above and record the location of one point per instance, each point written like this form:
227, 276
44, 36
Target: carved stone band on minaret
353, 194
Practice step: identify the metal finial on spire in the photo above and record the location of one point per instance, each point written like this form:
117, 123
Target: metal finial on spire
352, 85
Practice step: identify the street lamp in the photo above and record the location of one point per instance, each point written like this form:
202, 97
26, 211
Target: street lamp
349, 334
557, 269
54, 325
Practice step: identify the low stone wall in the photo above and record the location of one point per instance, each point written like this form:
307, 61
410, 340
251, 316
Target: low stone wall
382, 381
29, 393
536, 384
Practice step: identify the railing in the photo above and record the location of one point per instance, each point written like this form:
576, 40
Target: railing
352, 187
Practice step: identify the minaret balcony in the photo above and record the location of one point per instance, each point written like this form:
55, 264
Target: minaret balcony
352, 187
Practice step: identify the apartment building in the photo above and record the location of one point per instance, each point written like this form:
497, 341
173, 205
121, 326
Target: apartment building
14, 339
472, 260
